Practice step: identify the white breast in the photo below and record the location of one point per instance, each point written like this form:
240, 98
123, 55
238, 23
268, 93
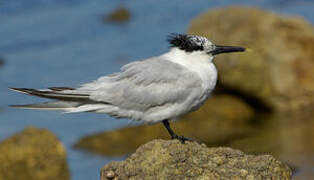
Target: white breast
198, 62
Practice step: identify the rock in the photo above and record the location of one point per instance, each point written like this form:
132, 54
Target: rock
120, 15
161, 159
34, 154
279, 71
1, 61
221, 118
285, 135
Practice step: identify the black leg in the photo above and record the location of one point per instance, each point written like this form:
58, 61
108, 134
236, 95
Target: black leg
172, 134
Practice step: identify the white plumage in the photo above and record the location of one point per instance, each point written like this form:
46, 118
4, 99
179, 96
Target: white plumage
156, 89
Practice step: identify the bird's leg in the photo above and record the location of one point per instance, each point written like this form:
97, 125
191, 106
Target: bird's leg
172, 134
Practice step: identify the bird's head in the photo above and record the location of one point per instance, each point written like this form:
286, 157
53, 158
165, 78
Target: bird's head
193, 43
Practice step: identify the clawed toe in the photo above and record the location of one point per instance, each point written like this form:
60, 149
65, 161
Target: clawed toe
182, 139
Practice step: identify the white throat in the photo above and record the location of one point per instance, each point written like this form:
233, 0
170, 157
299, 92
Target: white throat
199, 62
188, 58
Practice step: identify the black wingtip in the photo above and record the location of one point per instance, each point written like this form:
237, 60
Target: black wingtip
53, 94
60, 88
12, 88
26, 106
14, 106
20, 90
15, 89
19, 106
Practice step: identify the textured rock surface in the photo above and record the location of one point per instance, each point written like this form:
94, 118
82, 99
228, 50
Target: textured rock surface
160, 159
120, 15
1, 61
279, 71
34, 154
222, 118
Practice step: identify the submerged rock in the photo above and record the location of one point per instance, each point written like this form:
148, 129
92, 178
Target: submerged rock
120, 15
288, 136
223, 117
161, 159
279, 71
34, 154
1, 61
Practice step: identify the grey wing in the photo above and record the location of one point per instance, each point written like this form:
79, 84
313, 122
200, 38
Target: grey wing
153, 89
150, 90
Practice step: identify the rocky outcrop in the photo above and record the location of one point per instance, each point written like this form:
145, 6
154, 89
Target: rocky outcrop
279, 70
34, 154
223, 117
119, 15
1, 61
160, 159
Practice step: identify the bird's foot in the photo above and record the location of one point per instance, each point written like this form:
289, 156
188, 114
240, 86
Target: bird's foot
182, 139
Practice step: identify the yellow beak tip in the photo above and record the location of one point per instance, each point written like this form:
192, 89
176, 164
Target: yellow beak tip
248, 50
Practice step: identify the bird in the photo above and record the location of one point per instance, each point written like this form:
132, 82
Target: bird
157, 89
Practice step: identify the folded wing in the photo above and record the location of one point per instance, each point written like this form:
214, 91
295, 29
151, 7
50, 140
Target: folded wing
153, 89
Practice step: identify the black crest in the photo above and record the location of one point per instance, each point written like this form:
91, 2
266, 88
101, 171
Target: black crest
185, 42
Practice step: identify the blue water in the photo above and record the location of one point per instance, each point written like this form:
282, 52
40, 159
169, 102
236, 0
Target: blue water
65, 43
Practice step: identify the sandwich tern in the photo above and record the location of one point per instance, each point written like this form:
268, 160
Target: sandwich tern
157, 89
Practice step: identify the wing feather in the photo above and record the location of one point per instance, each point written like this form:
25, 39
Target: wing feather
142, 85
53, 94
149, 90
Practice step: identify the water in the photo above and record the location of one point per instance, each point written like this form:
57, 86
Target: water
65, 43
287, 136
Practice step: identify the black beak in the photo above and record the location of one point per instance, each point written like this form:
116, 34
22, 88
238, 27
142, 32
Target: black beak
226, 49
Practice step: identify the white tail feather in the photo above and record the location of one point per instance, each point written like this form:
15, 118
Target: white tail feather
86, 108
